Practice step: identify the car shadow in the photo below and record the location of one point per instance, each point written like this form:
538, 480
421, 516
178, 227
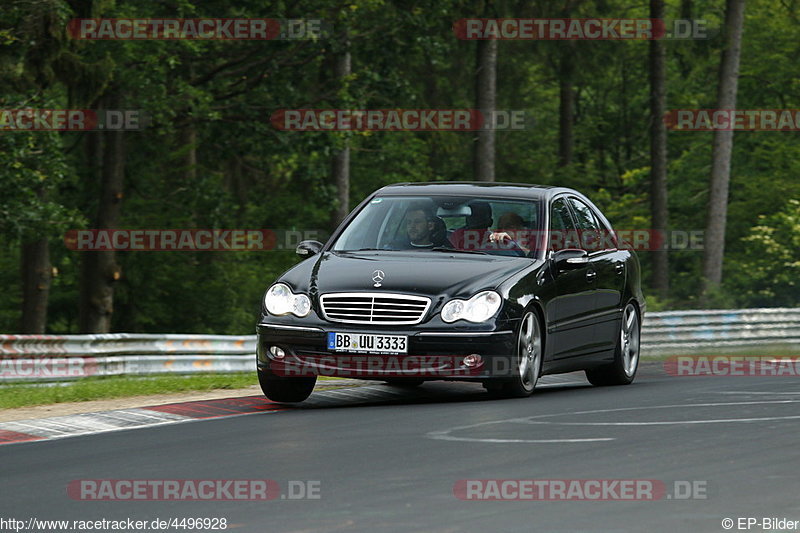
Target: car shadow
431, 392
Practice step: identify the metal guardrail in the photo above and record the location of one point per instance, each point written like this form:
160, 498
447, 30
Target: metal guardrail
65, 357
721, 331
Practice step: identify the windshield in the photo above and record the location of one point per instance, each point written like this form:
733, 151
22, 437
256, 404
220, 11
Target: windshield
490, 226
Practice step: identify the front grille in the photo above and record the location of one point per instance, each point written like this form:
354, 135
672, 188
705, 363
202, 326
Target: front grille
374, 308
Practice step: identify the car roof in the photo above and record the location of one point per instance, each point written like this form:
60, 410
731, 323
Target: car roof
474, 188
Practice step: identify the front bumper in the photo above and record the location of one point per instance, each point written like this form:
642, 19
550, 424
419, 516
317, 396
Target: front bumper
431, 354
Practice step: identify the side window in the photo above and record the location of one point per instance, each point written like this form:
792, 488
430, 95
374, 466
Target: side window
583, 215
593, 236
562, 229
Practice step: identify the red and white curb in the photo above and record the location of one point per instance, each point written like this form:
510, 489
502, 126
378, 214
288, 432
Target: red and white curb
121, 419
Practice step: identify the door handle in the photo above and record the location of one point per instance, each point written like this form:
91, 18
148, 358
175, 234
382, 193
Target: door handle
591, 275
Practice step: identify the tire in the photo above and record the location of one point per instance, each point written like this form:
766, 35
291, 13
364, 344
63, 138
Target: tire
406, 383
626, 354
528, 358
286, 390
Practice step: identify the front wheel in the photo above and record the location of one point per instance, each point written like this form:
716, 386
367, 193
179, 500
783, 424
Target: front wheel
528, 359
626, 356
286, 390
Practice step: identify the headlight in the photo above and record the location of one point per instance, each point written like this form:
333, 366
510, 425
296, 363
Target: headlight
280, 300
479, 308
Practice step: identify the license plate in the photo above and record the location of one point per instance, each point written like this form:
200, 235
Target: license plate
367, 343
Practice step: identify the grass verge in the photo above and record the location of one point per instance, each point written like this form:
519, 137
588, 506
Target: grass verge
108, 387
103, 388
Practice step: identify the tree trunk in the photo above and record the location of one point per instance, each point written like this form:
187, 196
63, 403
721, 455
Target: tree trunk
99, 270
566, 107
721, 152
686, 9
486, 103
36, 276
658, 153
340, 163
188, 141
565, 69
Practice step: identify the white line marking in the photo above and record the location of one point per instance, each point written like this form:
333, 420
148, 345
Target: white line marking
748, 392
446, 433
672, 423
128, 428
517, 441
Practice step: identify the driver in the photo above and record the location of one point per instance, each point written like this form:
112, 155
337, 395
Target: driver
423, 228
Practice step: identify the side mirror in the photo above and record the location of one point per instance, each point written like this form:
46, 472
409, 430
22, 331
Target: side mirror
570, 259
308, 248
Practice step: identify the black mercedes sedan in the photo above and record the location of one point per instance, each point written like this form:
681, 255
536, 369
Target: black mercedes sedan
497, 283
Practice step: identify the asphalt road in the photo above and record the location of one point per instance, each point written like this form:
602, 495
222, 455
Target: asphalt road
394, 466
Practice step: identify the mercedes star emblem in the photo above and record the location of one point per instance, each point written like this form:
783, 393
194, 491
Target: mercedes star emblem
377, 277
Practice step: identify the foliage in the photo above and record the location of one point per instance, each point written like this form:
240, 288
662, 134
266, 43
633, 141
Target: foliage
766, 270
216, 97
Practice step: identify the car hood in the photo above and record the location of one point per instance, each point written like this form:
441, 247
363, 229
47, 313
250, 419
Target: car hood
428, 273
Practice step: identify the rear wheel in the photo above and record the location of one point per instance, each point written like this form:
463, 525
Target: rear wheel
528, 360
286, 390
626, 356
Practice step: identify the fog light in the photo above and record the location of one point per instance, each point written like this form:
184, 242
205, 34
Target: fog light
472, 360
277, 352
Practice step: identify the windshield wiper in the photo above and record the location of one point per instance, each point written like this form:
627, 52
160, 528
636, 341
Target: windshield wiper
456, 251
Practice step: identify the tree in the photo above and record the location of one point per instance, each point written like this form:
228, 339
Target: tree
32, 164
340, 163
36, 278
99, 269
658, 152
566, 93
722, 149
566, 106
486, 103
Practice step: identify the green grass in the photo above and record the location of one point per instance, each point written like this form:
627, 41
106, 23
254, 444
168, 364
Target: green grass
103, 388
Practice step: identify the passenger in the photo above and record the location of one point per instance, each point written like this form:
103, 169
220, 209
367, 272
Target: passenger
510, 234
475, 235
